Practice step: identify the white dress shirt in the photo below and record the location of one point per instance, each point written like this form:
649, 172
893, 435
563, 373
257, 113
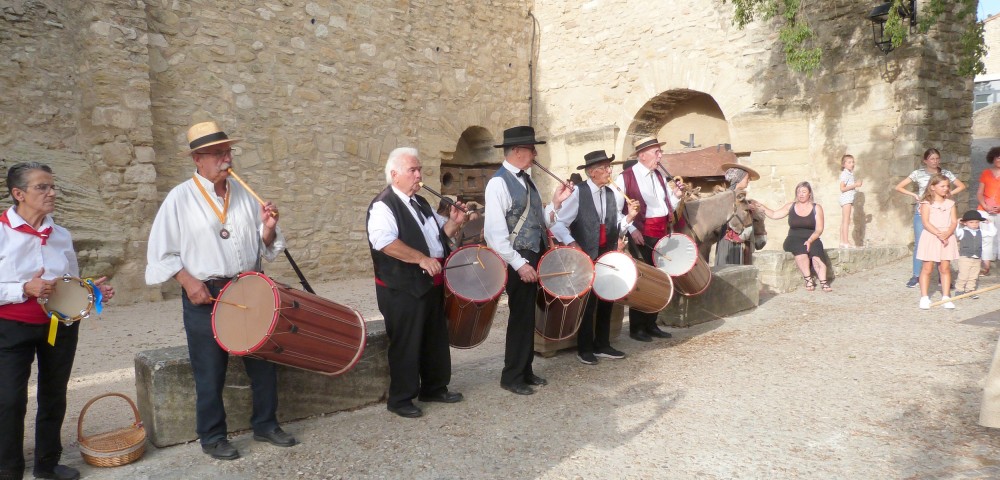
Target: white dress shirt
652, 192
498, 201
22, 256
383, 230
571, 207
185, 234
987, 229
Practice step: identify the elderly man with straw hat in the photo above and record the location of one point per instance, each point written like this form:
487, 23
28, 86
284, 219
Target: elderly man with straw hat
589, 220
658, 196
208, 230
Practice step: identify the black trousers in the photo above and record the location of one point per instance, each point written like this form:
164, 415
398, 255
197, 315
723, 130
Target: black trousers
519, 349
209, 362
20, 344
642, 321
419, 354
595, 326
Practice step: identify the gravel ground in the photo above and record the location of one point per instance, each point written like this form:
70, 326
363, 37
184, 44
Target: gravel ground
857, 383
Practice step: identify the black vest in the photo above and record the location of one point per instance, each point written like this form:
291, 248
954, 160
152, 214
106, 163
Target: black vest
971, 244
397, 274
586, 229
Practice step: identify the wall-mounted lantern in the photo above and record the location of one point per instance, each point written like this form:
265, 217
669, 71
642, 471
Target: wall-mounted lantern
880, 15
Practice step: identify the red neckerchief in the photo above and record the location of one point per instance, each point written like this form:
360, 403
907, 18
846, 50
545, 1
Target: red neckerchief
25, 228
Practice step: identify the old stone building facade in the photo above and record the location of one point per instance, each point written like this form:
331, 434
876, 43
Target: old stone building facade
103, 90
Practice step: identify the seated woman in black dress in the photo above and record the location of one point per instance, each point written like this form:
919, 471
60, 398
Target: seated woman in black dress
805, 225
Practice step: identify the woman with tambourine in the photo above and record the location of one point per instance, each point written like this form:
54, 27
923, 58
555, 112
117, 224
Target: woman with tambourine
34, 251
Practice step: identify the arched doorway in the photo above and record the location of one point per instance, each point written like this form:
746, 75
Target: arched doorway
464, 174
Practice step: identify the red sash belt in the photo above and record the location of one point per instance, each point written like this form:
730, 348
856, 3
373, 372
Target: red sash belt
604, 236
28, 312
438, 279
655, 227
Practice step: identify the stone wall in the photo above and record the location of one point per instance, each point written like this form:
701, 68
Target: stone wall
104, 90
614, 70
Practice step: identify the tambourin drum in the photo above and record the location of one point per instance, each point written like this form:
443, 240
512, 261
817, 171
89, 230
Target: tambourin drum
677, 255
622, 279
257, 317
474, 278
72, 299
565, 275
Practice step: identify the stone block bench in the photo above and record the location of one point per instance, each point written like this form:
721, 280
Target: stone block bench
734, 288
166, 397
779, 274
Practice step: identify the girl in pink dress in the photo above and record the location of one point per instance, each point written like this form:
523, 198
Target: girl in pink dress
937, 242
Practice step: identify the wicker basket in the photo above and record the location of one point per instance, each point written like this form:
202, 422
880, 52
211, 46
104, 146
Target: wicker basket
115, 448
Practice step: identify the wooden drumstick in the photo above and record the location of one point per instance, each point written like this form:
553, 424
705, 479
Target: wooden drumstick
259, 200
229, 303
966, 295
607, 265
449, 267
554, 274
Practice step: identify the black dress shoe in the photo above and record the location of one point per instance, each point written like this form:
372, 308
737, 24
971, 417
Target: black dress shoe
443, 397
655, 331
60, 472
276, 437
641, 336
518, 388
221, 450
408, 411
532, 379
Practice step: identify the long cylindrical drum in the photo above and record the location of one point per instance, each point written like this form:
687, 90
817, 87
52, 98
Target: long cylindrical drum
257, 317
474, 278
621, 279
677, 255
566, 276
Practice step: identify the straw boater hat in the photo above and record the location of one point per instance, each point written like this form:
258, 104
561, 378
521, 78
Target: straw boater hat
517, 136
595, 157
644, 143
753, 173
206, 134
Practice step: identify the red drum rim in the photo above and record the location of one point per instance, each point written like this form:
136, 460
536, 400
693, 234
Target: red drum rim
656, 255
590, 284
274, 315
448, 285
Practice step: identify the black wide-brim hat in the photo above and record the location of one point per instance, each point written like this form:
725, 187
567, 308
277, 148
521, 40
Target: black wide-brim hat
595, 157
972, 215
516, 136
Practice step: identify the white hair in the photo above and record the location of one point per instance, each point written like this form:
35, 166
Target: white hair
392, 164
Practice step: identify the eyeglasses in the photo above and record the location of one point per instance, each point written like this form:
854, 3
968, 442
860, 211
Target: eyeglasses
44, 188
219, 154
530, 148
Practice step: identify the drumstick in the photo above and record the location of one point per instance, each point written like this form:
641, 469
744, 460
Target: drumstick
247, 187
229, 303
449, 267
554, 274
607, 265
966, 295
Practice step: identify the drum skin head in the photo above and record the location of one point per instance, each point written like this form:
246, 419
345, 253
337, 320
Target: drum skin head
71, 297
675, 254
615, 276
566, 273
242, 330
481, 281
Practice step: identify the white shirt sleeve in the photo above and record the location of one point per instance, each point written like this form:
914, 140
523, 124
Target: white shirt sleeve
567, 215
498, 201
381, 226
163, 254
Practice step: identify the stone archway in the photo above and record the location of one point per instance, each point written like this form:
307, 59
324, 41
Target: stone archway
465, 171
673, 116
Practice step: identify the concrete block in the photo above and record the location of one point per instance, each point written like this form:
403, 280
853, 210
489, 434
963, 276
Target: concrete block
734, 288
166, 397
779, 273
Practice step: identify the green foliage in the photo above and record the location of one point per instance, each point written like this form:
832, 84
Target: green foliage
796, 36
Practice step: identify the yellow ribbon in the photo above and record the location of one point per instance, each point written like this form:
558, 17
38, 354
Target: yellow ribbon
53, 326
